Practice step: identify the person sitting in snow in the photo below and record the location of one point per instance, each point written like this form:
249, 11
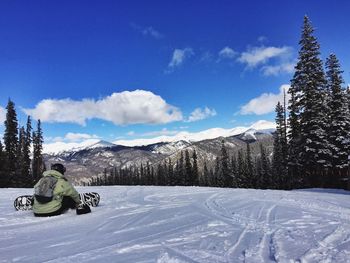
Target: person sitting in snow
53, 194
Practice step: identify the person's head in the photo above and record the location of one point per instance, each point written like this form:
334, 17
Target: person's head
58, 167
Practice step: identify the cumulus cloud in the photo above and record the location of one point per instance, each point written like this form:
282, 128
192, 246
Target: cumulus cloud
127, 107
201, 114
260, 55
275, 70
73, 137
227, 52
265, 103
2, 115
147, 31
162, 132
179, 56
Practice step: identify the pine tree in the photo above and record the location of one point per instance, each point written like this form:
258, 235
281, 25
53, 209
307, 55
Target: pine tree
38, 165
204, 178
26, 169
241, 168
280, 178
308, 88
11, 142
234, 171
265, 172
2, 167
224, 178
195, 173
339, 126
250, 180
181, 170
188, 166
171, 176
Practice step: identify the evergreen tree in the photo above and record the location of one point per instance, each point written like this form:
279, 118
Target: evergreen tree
181, 170
234, 172
249, 176
2, 167
279, 160
204, 178
241, 168
171, 179
265, 174
308, 88
224, 180
188, 167
195, 173
339, 126
26, 169
11, 142
38, 166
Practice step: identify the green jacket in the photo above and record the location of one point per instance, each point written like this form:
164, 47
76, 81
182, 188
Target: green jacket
62, 188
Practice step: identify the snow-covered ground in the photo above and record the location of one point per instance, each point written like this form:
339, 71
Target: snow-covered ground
183, 224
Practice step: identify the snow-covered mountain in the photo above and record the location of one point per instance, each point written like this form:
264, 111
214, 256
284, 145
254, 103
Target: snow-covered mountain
261, 126
183, 224
91, 159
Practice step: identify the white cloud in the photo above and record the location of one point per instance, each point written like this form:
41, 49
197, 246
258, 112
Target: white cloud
73, 137
265, 103
152, 32
278, 69
179, 56
147, 31
131, 133
227, 52
127, 107
2, 115
262, 39
162, 132
199, 114
261, 55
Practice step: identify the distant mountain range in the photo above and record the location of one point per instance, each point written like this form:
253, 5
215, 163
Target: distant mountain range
84, 161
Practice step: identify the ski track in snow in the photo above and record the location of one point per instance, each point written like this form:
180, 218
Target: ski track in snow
181, 225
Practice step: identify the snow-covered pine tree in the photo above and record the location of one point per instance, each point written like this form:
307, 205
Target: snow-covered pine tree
11, 142
339, 125
308, 87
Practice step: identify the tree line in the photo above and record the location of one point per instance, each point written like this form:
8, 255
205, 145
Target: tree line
240, 170
21, 160
311, 144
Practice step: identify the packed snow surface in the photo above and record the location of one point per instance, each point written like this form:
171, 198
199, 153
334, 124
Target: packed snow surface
183, 224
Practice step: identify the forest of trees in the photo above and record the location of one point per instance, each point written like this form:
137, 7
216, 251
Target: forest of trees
21, 160
311, 145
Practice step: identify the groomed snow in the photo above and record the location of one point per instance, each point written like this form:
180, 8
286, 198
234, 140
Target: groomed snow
183, 224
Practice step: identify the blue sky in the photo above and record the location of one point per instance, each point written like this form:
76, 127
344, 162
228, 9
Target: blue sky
129, 69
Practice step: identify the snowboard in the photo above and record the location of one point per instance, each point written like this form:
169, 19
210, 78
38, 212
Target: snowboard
25, 202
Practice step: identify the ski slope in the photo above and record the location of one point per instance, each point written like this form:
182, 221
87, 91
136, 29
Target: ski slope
183, 224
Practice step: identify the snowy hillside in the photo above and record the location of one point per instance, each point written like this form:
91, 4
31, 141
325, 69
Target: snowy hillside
183, 224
